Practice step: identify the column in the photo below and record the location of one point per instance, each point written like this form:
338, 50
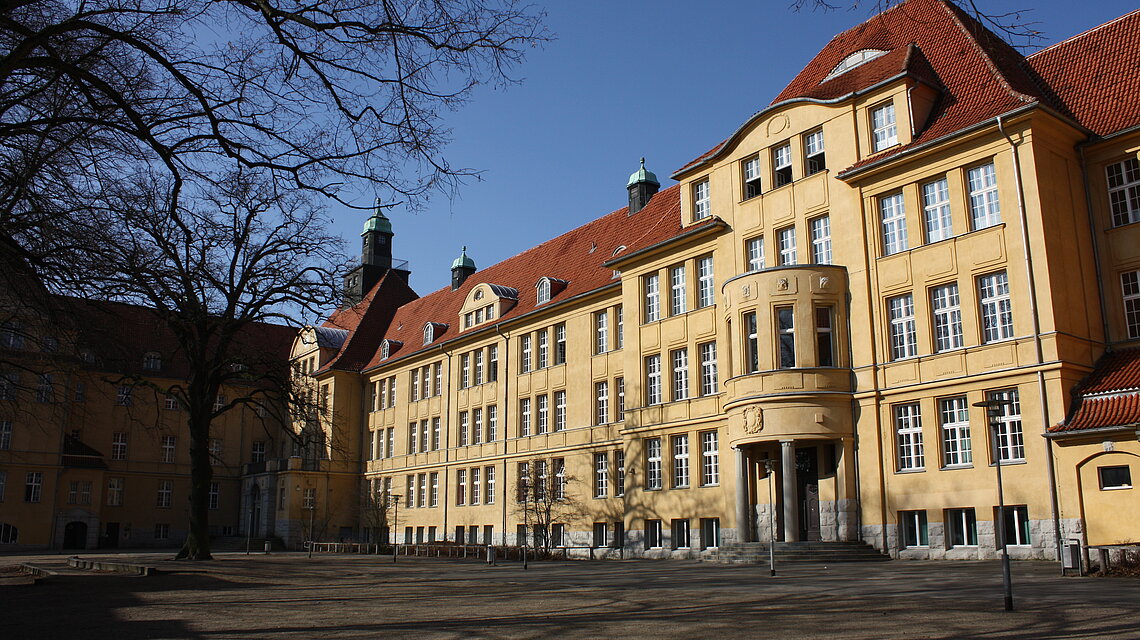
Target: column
791, 503
743, 518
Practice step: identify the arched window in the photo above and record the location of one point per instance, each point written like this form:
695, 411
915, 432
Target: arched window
429, 333
385, 350
861, 56
543, 290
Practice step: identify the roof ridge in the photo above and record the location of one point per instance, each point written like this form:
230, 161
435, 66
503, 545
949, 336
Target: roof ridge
1082, 34
986, 57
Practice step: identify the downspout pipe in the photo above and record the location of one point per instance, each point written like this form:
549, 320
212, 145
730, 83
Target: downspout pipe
503, 421
1038, 350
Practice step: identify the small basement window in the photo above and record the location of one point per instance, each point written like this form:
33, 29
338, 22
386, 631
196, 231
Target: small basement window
1116, 477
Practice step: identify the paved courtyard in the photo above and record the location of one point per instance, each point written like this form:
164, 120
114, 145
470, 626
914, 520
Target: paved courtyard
333, 596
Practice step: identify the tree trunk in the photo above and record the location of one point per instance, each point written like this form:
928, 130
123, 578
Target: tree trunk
197, 545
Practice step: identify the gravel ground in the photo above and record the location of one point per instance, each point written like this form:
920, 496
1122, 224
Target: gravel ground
290, 596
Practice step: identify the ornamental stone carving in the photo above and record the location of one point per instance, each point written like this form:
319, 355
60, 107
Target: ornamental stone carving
782, 284
753, 418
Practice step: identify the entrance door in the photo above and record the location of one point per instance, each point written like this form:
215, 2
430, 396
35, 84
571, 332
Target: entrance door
75, 535
807, 484
111, 536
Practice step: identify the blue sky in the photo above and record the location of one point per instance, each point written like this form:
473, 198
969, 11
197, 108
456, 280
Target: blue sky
665, 80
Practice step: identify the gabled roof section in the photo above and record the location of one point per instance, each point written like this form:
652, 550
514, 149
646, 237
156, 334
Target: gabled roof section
576, 257
933, 41
1095, 76
1107, 397
366, 321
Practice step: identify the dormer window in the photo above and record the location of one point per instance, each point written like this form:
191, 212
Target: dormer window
387, 347
152, 361
702, 207
860, 57
544, 291
884, 132
433, 330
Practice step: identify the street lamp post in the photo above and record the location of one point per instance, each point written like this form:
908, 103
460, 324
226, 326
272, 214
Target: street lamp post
526, 520
770, 467
395, 526
312, 513
993, 415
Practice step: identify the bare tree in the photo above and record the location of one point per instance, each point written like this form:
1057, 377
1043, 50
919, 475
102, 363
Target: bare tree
375, 503
544, 498
1014, 25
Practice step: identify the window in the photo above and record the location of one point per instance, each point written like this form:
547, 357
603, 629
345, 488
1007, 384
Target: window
543, 350
543, 414
751, 343
709, 382
3, 487
653, 463
492, 424
754, 249
1124, 191
258, 452
601, 332
559, 487
1010, 444
936, 210
961, 528
706, 294
984, 208
119, 446
620, 384
557, 535
464, 371
309, 498
893, 215
913, 525
11, 335
814, 160
524, 353
80, 392
461, 487
543, 291
424, 436
523, 481
680, 360
79, 492
652, 534
680, 461
620, 337
33, 485
904, 342
908, 434
1016, 527
478, 359
170, 403
215, 495
45, 392
955, 417
701, 201
680, 534
710, 459
785, 323
161, 531
884, 133
824, 336
488, 486
710, 533
781, 166
601, 475
429, 333
524, 417
1116, 477
750, 176
997, 314
168, 445
5, 435
391, 444
1130, 283
861, 56
165, 491
123, 396
619, 465
439, 371
653, 380
220, 400
821, 240
560, 343
476, 427
464, 431
559, 410
601, 402
787, 237
600, 534
677, 303
114, 492
947, 317
476, 487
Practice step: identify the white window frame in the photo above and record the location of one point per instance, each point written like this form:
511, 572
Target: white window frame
903, 336
601, 331
601, 402
542, 425
1124, 191
601, 475
815, 160
1130, 290
706, 285
782, 165
884, 130
560, 410
679, 359
709, 380
821, 240
892, 214
678, 291
651, 284
996, 307
525, 343
524, 417
936, 214
710, 459
543, 360
787, 238
754, 247
946, 307
954, 415
985, 207
702, 202
911, 454
680, 447
1009, 440
653, 380
750, 176
653, 479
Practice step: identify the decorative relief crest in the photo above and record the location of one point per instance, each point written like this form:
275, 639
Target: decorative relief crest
753, 418
824, 282
746, 292
777, 124
781, 284
1108, 445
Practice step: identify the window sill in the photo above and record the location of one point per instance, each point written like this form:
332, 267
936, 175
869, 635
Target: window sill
1009, 463
904, 471
1121, 488
707, 486
952, 467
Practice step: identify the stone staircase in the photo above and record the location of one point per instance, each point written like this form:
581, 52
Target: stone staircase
795, 552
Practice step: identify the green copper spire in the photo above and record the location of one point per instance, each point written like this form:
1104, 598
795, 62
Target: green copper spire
378, 221
463, 262
642, 175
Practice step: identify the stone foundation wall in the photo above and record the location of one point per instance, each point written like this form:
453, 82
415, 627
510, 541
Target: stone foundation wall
1042, 542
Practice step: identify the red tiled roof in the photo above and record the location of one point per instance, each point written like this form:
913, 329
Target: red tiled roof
365, 321
1109, 396
1095, 76
576, 257
982, 75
